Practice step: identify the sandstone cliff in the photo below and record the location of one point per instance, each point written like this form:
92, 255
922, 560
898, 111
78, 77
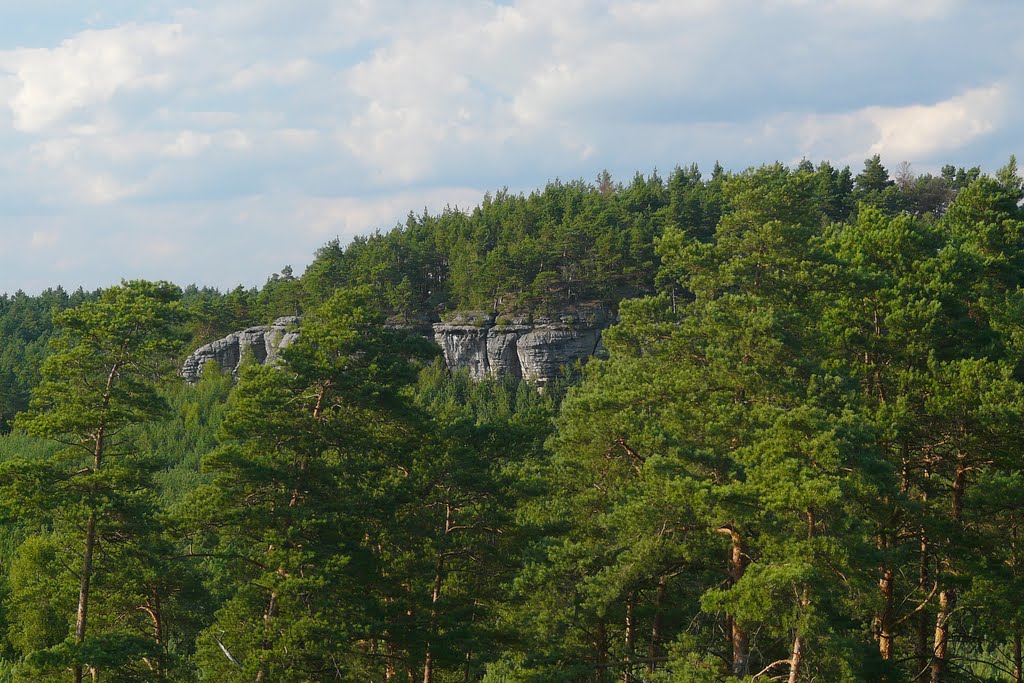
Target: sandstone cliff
263, 343
534, 349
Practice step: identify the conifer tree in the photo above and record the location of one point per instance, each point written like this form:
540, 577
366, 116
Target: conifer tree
312, 454
98, 383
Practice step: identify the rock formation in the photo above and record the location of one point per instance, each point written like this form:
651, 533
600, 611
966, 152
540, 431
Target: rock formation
532, 349
262, 342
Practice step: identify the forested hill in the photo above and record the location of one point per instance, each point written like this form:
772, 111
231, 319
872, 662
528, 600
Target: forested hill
581, 242
568, 244
801, 459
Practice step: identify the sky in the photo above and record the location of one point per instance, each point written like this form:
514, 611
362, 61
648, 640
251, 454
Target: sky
216, 142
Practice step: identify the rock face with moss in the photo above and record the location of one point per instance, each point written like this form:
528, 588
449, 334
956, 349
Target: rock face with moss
533, 349
262, 343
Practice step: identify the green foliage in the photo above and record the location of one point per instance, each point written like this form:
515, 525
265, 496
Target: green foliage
176, 444
800, 460
98, 384
806, 410
25, 328
568, 244
310, 456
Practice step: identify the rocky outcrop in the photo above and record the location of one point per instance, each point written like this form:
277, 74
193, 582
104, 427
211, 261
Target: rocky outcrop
263, 343
533, 349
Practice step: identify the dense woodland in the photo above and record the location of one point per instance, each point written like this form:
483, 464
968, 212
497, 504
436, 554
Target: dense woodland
801, 460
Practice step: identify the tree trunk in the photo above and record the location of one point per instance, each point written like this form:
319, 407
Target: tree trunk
83, 590
389, 665
656, 625
959, 488
152, 608
293, 503
627, 673
428, 658
435, 596
601, 646
885, 633
737, 634
428, 665
947, 601
268, 617
947, 598
740, 645
85, 580
796, 657
410, 612
1018, 664
922, 651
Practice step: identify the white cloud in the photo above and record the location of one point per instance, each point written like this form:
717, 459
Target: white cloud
160, 249
913, 9
921, 131
917, 131
100, 188
448, 86
278, 125
659, 13
325, 218
86, 70
56, 151
67, 263
187, 144
44, 239
297, 137
271, 74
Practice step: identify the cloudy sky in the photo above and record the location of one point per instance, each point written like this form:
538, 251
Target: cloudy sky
217, 142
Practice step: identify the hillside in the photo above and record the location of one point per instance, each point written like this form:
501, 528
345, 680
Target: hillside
799, 456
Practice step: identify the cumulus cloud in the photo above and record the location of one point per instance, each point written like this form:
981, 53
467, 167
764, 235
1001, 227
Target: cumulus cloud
273, 74
168, 135
868, 9
917, 131
85, 71
42, 239
344, 217
920, 131
573, 77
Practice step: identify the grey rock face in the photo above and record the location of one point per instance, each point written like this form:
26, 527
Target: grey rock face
264, 343
464, 346
503, 356
545, 349
533, 350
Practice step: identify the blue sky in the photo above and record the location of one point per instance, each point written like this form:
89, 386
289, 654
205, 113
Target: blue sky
217, 142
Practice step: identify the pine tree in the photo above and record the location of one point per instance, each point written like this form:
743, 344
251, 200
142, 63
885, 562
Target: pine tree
97, 384
312, 455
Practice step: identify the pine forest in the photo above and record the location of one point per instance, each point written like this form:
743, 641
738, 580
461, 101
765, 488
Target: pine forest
798, 457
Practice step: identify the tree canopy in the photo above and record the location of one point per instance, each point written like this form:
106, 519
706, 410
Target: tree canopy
800, 459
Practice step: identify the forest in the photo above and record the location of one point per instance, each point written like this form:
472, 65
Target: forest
801, 460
